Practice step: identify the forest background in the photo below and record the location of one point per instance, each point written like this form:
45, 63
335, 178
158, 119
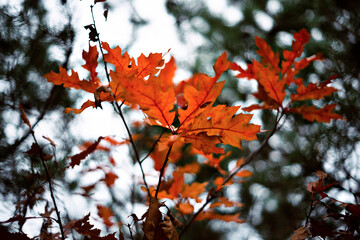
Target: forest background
275, 195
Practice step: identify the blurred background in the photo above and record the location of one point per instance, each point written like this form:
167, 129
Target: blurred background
38, 36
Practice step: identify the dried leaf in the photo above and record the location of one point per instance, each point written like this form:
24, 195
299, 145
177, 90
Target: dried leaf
300, 234
76, 159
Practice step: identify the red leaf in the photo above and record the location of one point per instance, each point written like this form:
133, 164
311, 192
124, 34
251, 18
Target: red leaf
222, 123
76, 159
269, 79
202, 89
91, 58
105, 213
110, 178
211, 215
268, 57
312, 91
83, 227
311, 113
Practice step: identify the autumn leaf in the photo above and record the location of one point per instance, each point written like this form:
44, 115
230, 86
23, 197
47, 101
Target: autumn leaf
153, 219
311, 113
110, 178
86, 229
193, 190
244, 173
168, 230
73, 81
222, 123
76, 159
204, 143
223, 201
105, 213
150, 97
268, 57
312, 91
300, 39
269, 79
300, 234
185, 208
211, 215
24, 117
202, 90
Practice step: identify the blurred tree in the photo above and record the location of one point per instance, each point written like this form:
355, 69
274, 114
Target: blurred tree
275, 197
27, 48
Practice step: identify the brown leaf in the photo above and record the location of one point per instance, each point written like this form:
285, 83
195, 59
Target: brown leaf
153, 219
169, 229
24, 117
76, 159
300, 234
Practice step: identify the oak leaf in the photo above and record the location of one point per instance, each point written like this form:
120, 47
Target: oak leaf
268, 57
211, 215
76, 159
202, 90
222, 123
311, 113
312, 91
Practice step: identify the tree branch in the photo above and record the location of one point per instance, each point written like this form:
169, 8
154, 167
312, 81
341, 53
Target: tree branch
118, 107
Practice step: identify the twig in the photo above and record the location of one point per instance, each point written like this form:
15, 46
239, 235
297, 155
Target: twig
50, 186
250, 158
162, 170
118, 107
153, 147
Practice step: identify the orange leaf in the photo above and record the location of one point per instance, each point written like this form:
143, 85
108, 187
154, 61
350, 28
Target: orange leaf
211, 215
220, 122
193, 190
154, 102
185, 208
311, 113
105, 213
167, 74
248, 73
226, 202
268, 57
269, 79
122, 62
84, 106
244, 173
312, 91
149, 65
177, 185
204, 143
202, 90
301, 38
72, 81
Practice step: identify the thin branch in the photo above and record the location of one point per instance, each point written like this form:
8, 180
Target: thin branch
250, 158
118, 107
48, 178
153, 147
162, 170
